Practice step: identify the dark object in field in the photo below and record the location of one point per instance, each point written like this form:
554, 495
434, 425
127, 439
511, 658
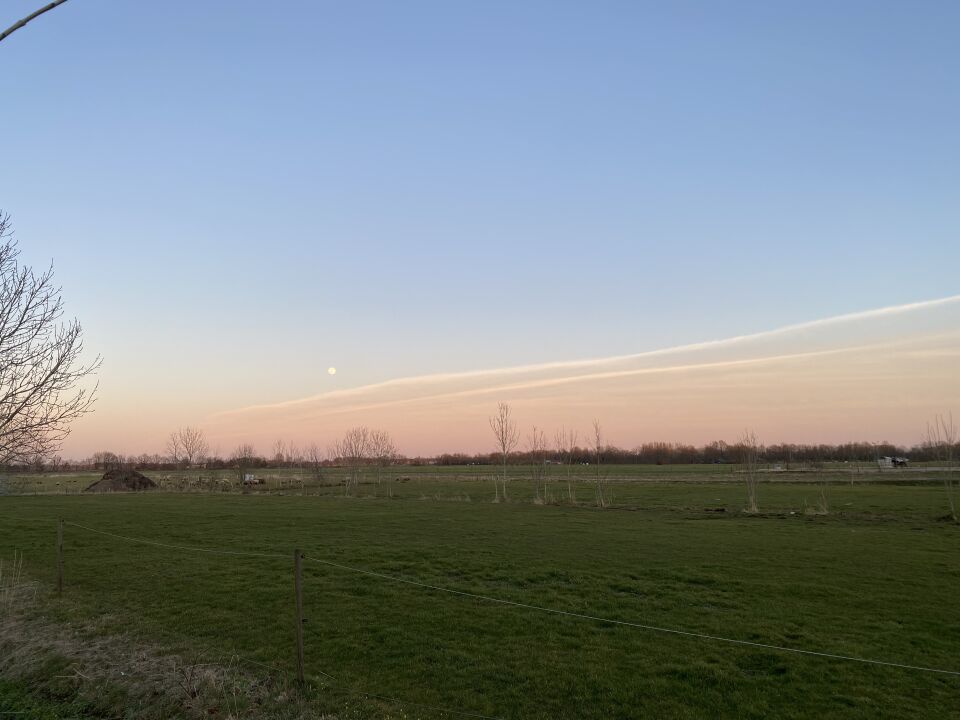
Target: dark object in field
715, 509
120, 481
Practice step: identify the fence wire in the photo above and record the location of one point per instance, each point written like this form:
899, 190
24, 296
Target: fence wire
539, 608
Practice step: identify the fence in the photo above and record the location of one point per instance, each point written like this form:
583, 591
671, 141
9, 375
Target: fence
299, 651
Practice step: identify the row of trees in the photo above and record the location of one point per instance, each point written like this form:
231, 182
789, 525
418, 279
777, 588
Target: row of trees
538, 453
361, 449
188, 447
582, 450
941, 443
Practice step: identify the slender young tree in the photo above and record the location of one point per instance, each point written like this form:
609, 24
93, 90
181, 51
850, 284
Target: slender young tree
353, 450
601, 478
537, 449
566, 444
279, 453
942, 441
383, 451
507, 436
243, 458
315, 459
749, 449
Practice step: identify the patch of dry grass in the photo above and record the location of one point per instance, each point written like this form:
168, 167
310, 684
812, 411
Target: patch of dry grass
107, 673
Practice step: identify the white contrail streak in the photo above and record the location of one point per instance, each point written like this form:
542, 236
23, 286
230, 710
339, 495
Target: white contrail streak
599, 362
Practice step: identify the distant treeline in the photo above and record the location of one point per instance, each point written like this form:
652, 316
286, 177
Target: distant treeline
717, 452
653, 453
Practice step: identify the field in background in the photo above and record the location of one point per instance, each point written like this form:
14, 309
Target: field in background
877, 577
419, 480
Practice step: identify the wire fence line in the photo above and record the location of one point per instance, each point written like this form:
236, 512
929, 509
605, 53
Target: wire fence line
335, 683
211, 551
541, 608
642, 626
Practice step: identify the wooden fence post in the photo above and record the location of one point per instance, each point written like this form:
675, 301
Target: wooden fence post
60, 557
298, 588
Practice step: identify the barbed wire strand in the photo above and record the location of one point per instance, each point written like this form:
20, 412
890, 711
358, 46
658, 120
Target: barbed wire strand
642, 626
212, 551
342, 688
539, 608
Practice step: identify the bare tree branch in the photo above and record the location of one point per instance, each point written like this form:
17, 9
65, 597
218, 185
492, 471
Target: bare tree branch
188, 445
40, 361
20, 23
353, 450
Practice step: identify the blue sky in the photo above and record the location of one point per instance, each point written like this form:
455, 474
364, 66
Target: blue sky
238, 195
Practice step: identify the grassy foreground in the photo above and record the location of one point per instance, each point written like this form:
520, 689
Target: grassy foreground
878, 579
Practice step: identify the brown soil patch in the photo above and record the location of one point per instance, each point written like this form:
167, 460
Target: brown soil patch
122, 481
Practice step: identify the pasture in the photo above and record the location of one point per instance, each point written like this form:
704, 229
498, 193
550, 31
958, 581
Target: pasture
877, 577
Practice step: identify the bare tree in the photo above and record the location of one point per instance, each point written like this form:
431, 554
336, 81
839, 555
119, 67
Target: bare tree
942, 441
188, 445
20, 23
279, 452
537, 449
294, 454
243, 457
40, 365
566, 443
823, 503
383, 451
749, 449
601, 478
353, 450
315, 458
507, 436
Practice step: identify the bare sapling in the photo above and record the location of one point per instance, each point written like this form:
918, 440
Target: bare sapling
942, 441
566, 443
507, 436
243, 458
823, 505
537, 449
600, 476
353, 450
315, 458
750, 465
383, 451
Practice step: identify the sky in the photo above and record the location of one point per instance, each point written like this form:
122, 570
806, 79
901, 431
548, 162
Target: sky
237, 197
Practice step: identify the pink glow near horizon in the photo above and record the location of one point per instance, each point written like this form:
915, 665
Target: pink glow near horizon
873, 376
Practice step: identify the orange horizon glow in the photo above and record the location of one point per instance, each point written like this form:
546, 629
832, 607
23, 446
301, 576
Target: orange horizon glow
879, 375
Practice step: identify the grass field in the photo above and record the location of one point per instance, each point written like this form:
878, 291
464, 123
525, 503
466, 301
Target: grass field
877, 578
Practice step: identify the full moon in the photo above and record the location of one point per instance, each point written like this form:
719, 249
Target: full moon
332, 370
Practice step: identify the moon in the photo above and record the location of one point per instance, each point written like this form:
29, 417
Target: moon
332, 370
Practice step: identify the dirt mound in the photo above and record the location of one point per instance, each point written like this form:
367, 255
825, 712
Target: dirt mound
120, 481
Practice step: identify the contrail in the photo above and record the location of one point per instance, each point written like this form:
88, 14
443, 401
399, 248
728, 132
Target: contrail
595, 362
570, 379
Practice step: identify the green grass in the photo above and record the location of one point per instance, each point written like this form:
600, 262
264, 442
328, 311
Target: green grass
417, 479
878, 578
